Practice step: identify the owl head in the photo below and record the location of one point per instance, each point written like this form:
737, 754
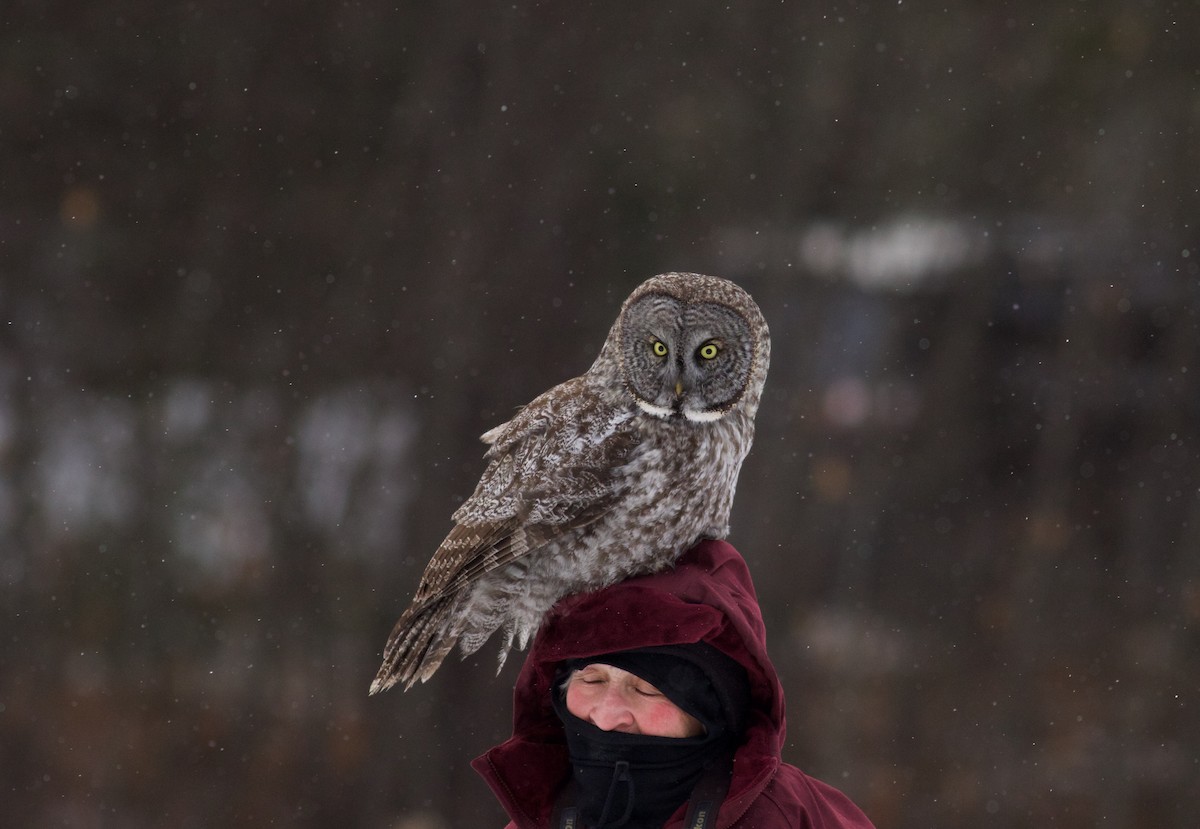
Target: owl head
690, 346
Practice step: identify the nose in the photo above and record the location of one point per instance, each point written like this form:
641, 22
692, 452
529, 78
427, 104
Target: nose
611, 713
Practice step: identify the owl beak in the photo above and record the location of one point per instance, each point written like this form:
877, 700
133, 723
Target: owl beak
679, 388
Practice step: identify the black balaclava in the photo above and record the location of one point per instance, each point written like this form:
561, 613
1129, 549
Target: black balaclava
635, 780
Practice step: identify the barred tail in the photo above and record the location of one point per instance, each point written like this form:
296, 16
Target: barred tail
418, 644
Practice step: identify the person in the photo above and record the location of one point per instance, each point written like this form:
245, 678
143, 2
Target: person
653, 704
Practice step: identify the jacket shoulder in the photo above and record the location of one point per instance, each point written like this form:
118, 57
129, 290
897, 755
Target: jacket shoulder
794, 800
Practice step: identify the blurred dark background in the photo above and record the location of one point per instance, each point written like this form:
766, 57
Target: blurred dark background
267, 270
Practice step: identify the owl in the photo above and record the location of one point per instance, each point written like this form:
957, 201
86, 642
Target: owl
614, 473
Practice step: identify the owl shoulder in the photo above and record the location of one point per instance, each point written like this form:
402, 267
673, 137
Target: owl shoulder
532, 417
578, 405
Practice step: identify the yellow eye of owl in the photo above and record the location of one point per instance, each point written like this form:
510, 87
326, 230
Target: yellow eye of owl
659, 348
709, 350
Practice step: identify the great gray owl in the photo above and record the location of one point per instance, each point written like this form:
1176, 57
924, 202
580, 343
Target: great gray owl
610, 474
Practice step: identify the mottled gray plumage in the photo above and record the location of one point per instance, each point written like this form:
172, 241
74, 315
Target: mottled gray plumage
610, 474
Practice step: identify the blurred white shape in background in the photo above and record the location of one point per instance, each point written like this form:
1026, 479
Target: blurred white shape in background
899, 254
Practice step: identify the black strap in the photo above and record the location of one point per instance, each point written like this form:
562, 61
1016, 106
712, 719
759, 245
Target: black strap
566, 814
709, 794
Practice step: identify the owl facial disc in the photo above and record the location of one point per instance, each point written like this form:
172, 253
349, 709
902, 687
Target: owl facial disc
684, 358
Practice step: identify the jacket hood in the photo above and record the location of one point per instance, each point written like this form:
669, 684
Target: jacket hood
708, 597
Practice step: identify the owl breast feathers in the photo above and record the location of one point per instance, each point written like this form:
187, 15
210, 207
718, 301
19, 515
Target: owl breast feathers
610, 474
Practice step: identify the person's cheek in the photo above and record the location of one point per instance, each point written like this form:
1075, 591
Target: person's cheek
577, 701
663, 720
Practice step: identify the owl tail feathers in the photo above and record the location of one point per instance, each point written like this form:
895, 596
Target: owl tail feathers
417, 646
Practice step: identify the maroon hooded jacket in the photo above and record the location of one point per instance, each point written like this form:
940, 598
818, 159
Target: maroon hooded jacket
708, 597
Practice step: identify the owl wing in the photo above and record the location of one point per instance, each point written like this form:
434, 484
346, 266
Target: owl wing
551, 470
